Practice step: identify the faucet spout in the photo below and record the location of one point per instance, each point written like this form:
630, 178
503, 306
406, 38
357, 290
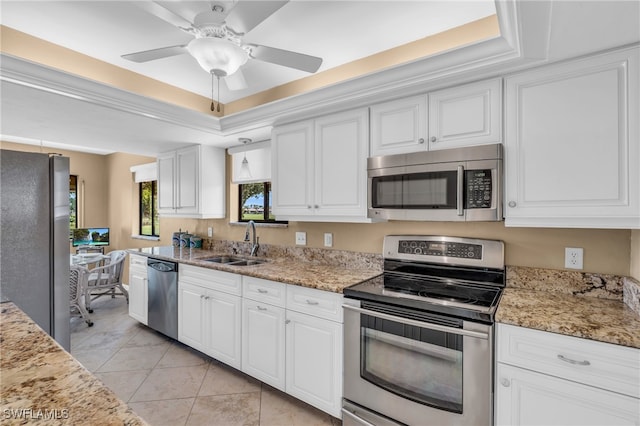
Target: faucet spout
251, 229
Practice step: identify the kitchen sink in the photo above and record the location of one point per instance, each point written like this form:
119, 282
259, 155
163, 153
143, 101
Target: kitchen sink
233, 261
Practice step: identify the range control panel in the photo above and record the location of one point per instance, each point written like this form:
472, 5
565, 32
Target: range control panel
440, 248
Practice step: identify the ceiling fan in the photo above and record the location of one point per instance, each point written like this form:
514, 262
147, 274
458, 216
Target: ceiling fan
218, 46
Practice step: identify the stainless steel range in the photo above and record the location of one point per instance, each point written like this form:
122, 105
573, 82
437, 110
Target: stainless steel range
418, 340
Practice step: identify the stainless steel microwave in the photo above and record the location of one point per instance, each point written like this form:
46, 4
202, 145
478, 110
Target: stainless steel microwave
460, 184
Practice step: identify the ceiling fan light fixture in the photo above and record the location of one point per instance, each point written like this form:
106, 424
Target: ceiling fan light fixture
218, 56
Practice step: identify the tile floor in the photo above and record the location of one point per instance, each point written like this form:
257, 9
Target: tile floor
168, 383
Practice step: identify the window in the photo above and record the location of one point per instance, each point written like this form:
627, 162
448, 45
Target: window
73, 203
149, 222
255, 202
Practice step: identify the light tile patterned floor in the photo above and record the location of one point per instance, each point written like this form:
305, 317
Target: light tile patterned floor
168, 383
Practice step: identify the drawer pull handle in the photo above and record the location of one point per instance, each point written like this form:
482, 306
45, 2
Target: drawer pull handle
260, 308
312, 302
263, 291
573, 361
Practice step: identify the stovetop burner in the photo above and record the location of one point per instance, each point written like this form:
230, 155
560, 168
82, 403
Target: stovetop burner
450, 281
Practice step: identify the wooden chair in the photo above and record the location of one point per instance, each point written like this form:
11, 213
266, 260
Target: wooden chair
104, 280
78, 276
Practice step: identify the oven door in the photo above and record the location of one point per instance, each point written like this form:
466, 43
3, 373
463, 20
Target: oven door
416, 367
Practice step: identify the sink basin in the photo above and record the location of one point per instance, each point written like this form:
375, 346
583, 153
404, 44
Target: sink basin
233, 261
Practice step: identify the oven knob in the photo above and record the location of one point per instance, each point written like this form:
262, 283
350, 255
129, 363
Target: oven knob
417, 251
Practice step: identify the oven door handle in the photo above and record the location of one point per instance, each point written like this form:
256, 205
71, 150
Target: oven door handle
356, 418
407, 321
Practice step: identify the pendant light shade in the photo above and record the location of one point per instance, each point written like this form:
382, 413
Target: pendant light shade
218, 56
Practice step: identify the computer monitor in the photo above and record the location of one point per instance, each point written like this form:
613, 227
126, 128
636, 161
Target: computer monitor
90, 237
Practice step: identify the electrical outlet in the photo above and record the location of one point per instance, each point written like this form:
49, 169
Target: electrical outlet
210, 231
301, 238
573, 257
328, 239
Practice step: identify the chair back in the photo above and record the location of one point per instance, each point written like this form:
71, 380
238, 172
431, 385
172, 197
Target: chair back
77, 282
116, 262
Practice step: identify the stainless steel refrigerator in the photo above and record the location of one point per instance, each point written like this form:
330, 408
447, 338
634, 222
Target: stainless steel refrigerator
34, 238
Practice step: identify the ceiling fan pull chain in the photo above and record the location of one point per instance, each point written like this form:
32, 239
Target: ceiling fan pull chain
218, 93
213, 108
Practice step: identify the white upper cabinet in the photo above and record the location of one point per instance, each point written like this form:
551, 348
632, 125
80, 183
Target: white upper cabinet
191, 182
572, 146
466, 115
399, 126
319, 168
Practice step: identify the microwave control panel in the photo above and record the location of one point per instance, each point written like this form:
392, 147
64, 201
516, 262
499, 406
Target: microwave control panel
478, 189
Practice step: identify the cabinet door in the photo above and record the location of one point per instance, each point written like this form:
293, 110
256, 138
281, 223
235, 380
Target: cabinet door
223, 327
525, 397
572, 144
292, 169
166, 183
314, 361
138, 294
399, 126
341, 150
263, 333
191, 314
466, 115
188, 165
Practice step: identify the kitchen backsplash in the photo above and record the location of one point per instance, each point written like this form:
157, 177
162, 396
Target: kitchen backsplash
319, 256
604, 286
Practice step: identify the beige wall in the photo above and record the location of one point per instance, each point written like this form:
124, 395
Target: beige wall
112, 200
635, 254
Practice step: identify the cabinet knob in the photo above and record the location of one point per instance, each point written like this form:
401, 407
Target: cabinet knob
316, 206
202, 296
308, 207
433, 139
260, 308
421, 140
512, 204
287, 321
505, 382
263, 291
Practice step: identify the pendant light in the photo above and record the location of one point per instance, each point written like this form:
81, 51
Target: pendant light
245, 172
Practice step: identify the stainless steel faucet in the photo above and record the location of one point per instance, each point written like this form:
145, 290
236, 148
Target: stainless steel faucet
251, 227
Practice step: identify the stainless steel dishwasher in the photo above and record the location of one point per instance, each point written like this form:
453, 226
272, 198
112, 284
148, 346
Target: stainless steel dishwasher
163, 296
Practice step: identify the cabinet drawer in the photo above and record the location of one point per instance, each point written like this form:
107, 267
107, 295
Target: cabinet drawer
211, 279
603, 365
322, 304
139, 261
266, 291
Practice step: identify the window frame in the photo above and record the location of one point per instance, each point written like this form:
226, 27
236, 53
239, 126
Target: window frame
266, 211
154, 210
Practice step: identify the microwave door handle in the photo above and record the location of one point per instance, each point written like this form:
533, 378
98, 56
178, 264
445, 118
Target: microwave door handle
460, 193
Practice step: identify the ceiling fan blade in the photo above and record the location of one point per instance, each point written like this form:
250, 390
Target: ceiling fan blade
246, 15
287, 58
153, 54
236, 81
165, 14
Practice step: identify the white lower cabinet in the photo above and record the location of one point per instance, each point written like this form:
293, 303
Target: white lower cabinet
209, 320
314, 361
549, 379
287, 336
263, 334
138, 285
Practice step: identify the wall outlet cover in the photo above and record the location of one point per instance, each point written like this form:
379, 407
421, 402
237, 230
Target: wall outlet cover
573, 257
301, 238
210, 232
328, 239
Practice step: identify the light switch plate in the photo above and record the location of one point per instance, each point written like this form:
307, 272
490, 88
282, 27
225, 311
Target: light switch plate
301, 238
328, 239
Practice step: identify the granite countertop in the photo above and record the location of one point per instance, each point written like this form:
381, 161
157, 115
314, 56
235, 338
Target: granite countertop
285, 269
576, 304
40, 381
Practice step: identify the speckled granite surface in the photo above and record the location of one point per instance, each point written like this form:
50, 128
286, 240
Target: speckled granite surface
329, 270
577, 304
42, 383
